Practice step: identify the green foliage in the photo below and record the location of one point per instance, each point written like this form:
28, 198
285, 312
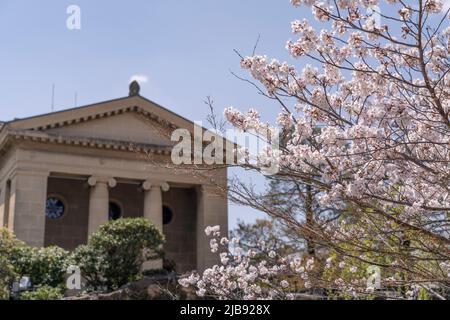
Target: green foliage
115, 253
424, 295
43, 293
44, 266
393, 254
112, 258
7, 274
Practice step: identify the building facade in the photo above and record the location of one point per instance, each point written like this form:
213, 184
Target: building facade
64, 174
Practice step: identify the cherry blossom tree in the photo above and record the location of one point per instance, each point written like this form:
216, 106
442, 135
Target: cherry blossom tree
367, 99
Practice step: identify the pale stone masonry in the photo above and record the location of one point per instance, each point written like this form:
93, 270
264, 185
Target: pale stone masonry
64, 174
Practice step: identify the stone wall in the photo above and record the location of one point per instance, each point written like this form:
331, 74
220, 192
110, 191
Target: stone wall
181, 232
130, 198
70, 230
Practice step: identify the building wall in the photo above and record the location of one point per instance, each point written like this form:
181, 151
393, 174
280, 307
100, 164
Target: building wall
181, 232
71, 229
7, 162
130, 198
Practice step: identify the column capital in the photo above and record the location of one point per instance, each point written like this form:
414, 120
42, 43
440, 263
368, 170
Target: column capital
94, 180
149, 184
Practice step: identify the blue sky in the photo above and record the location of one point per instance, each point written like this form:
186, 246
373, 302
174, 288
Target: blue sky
184, 49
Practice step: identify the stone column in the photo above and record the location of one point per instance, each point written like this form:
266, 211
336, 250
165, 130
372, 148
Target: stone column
153, 204
99, 201
27, 201
212, 210
153, 211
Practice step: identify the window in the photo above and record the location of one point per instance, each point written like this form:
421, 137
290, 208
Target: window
55, 208
115, 210
167, 215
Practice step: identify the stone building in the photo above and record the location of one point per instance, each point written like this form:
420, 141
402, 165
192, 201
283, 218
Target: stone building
65, 173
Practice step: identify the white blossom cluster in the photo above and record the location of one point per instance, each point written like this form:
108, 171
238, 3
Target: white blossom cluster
239, 276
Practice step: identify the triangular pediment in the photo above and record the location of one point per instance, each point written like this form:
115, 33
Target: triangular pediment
118, 124
130, 127
130, 119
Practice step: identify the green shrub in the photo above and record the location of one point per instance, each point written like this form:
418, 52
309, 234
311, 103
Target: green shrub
424, 295
43, 293
44, 266
115, 253
7, 274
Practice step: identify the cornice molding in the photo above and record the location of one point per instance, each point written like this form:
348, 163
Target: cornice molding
128, 109
97, 143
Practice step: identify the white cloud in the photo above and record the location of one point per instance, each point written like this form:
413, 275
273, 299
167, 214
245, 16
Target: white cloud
141, 78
